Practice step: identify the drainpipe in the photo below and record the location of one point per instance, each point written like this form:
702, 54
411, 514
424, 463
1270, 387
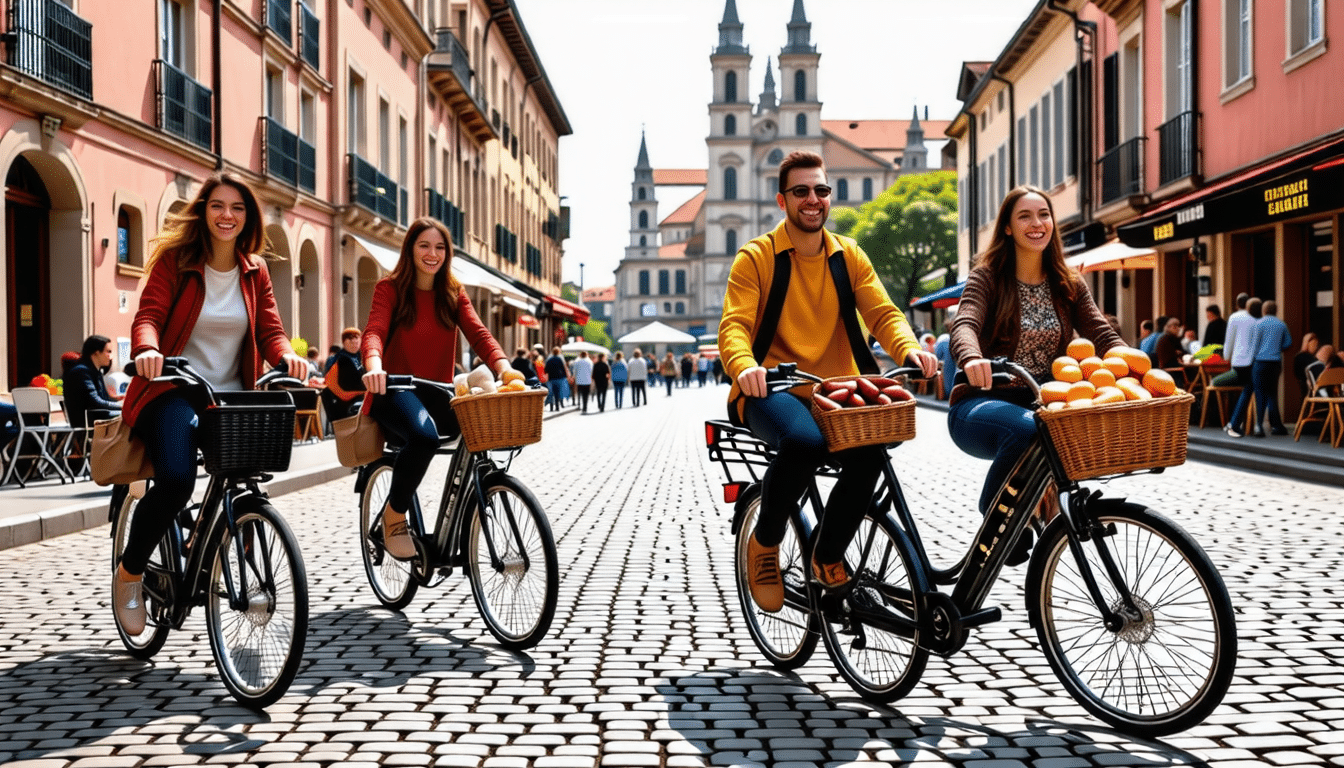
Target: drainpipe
216, 81
1012, 128
1084, 104
973, 196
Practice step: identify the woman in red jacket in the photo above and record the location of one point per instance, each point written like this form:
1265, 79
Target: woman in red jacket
207, 297
413, 323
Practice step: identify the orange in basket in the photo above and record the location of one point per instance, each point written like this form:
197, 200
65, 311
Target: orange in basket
1080, 348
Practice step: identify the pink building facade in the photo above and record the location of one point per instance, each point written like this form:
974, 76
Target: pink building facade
343, 115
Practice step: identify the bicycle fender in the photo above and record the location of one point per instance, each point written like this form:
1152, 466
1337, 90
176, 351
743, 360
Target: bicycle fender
740, 506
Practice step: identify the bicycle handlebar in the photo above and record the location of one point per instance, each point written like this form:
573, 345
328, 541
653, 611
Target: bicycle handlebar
178, 371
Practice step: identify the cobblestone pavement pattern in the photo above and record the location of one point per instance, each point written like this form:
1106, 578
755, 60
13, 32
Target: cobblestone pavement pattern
648, 662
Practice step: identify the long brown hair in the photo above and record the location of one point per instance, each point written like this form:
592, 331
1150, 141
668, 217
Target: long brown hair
446, 286
186, 236
999, 260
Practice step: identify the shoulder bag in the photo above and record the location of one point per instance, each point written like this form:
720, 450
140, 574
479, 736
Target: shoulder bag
117, 456
359, 439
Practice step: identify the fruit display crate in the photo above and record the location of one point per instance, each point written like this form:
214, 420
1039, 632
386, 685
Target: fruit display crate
1116, 438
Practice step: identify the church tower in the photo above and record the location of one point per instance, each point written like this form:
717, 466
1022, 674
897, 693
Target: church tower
730, 189
643, 209
800, 106
915, 159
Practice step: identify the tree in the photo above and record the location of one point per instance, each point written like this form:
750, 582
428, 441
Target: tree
907, 231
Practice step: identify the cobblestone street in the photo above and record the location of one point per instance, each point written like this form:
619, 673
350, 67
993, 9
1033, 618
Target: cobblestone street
648, 662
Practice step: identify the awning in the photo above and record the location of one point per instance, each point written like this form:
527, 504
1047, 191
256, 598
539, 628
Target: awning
470, 273
567, 310
1308, 182
384, 256
1113, 255
943, 297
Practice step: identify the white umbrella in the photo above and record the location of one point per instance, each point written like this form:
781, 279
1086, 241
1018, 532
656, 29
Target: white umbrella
656, 333
584, 346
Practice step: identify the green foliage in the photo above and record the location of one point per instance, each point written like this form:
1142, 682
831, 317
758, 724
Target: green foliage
595, 332
907, 231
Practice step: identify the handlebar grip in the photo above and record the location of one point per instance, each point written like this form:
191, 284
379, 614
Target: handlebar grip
170, 366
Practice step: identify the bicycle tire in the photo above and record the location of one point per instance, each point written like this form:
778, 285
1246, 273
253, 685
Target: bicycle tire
149, 642
245, 643
517, 594
393, 581
787, 637
880, 665
1155, 676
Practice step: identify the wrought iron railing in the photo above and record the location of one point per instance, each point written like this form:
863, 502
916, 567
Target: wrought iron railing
439, 207
309, 30
371, 189
447, 42
1122, 170
279, 17
1178, 147
185, 107
48, 41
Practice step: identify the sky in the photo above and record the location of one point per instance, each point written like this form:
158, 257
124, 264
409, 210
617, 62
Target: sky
622, 66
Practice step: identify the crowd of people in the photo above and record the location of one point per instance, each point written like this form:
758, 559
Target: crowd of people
586, 378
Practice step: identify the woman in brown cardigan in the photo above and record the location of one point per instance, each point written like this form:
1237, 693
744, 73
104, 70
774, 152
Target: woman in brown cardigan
1022, 302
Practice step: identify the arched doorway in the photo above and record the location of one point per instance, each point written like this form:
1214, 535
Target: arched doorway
281, 265
27, 252
310, 295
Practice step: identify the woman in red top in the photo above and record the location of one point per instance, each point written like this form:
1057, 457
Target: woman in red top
412, 329
207, 297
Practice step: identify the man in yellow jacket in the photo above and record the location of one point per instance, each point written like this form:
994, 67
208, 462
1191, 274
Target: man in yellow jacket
809, 331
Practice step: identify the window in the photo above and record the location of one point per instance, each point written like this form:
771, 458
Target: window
433, 166
730, 87
867, 189
842, 189
1059, 132
681, 283
681, 307
1236, 41
667, 307
384, 136
130, 235
1177, 70
1306, 26
642, 194
1002, 189
664, 287
730, 241
643, 240
800, 125
173, 40
1046, 177
403, 153
1110, 101
729, 183
354, 115
643, 219
800, 85
1033, 147
307, 118
1021, 151
275, 95
776, 157
644, 282
729, 125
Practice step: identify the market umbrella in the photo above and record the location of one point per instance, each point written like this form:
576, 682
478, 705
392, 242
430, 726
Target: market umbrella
943, 297
656, 333
584, 346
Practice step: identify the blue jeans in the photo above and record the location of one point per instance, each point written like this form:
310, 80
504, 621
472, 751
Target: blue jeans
988, 428
786, 425
168, 426
619, 392
555, 393
1246, 379
415, 419
1265, 381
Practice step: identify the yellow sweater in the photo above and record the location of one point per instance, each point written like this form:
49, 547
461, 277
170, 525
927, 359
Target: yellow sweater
810, 331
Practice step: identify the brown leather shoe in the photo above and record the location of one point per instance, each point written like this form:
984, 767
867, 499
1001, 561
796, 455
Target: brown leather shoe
128, 603
764, 580
830, 575
397, 535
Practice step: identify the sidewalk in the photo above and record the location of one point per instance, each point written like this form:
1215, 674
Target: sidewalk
47, 508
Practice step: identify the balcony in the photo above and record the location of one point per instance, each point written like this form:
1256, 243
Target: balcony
288, 158
185, 107
373, 190
437, 206
49, 42
1178, 148
309, 30
279, 19
1121, 171
450, 74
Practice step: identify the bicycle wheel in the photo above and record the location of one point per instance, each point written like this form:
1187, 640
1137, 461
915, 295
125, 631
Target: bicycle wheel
512, 563
148, 642
788, 636
393, 580
257, 645
1168, 666
863, 633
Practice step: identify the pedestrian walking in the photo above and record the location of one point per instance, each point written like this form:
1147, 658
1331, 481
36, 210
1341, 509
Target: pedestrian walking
601, 375
582, 370
557, 379
702, 365
1239, 350
620, 374
687, 369
639, 377
668, 370
1274, 339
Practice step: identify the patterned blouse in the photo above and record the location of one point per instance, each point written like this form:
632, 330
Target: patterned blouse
1040, 331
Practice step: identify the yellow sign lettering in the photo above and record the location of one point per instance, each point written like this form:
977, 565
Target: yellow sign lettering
1164, 231
1287, 204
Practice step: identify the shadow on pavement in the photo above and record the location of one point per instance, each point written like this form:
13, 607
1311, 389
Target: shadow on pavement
759, 718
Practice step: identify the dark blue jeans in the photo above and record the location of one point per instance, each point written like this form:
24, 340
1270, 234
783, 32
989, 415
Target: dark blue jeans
1246, 379
415, 419
618, 389
1265, 381
168, 426
786, 425
990, 428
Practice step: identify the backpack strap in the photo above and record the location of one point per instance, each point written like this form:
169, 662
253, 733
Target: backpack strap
774, 304
863, 355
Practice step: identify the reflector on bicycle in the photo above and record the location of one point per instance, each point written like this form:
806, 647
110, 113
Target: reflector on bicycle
732, 490
711, 434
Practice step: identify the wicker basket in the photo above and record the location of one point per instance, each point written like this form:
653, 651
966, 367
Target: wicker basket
1124, 437
248, 431
867, 425
500, 420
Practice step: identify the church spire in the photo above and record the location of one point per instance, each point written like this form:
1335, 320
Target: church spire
730, 31
768, 98
643, 171
800, 31
914, 121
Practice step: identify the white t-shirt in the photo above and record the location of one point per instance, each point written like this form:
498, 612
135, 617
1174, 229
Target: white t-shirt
216, 342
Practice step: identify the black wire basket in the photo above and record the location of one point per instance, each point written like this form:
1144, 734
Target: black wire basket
248, 431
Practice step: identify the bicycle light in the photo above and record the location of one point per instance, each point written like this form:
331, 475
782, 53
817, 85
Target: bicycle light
732, 490
711, 435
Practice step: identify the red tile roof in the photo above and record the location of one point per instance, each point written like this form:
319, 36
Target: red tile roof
882, 134
607, 293
688, 211
680, 177
673, 251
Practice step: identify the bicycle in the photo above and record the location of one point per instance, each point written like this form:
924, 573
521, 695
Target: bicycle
488, 524
1136, 622
233, 552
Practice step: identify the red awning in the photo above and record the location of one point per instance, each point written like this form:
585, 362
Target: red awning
568, 310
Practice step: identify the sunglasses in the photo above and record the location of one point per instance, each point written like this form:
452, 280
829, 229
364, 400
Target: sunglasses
801, 191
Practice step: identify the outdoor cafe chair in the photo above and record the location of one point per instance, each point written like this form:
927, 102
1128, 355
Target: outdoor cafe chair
1323, 403
37, 436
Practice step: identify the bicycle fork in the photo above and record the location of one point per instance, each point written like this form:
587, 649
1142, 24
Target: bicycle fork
496, 562
1078, 507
